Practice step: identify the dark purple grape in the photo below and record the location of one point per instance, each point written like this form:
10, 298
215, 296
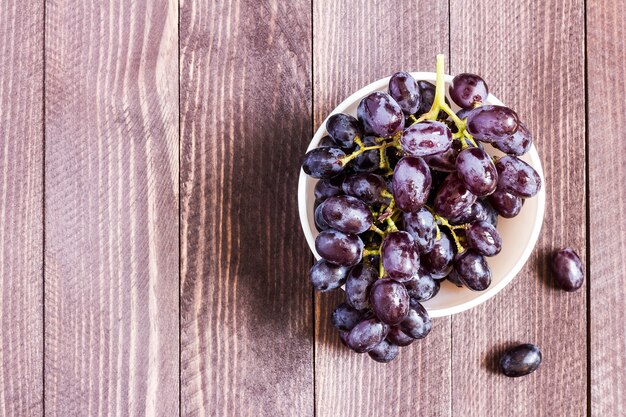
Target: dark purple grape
427, 97
520, 360
380, 113
492, 123
411, 183
366, 335
483, 238
467, 90
517, 177
323, 162
426, 138
517, 144
347, 214
404, 90
358, 285
421, 226
398, 337
326, 141
473, 270
327, 188
438, 262
320, 223
477, 171
453, 277
344, 128
505, 204
400, 256
340, 248
367, 187
453, 198
368, 161
325, 276
345, 317
463, 113
417, 324
567, 269
422, 288
481, 210
390, 301
343, 336
384, 352
445, 161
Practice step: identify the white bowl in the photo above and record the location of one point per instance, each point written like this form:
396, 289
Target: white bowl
519, 234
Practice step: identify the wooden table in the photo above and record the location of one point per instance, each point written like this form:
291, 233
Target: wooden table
151, 258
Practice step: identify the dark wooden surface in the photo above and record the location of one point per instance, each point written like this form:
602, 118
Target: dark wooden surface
151, 258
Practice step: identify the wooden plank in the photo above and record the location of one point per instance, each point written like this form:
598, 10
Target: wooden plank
111, 278
21, 208
606, 51
356, 43
246, 307
531, 55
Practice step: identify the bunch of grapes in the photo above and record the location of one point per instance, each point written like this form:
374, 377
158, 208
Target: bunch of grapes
407, 196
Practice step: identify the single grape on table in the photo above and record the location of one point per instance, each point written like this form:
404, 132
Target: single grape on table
408, 196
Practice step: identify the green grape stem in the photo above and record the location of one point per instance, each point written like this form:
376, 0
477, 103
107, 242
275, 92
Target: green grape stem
344, 161
440, 220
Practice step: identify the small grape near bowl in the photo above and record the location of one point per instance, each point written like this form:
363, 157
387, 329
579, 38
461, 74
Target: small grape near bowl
518, 234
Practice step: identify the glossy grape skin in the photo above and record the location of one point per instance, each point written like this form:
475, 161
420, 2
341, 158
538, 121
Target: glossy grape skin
389, 300
520, 360
567, 269
421, 226
468, 89
491, 123
323, 162
444, 162
327, 188
345, 317
398, 337
366, 335
368, 161
340, 248
483, 238
422, 288
473, 270
411, 183
438, 262
477, 171
325, 276
505, 204
358, 285
517, 177
417, 324
320, 223
400, 256
517, 144
426, 138
384, 352
326, 141
463, 113
453, 198
405, 91
367, 187
427, 96
481, 210
344, 128
347, 214
381, 115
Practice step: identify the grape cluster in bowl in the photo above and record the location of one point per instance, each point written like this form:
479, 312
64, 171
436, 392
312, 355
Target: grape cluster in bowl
407, 197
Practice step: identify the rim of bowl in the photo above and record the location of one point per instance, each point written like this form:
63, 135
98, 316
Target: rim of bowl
532, 154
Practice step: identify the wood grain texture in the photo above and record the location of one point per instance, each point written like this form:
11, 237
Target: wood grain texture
111, 219
356, 43
246, 307
21, 208
606, 52
531, 55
